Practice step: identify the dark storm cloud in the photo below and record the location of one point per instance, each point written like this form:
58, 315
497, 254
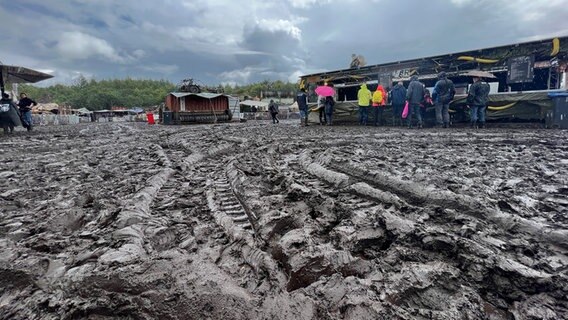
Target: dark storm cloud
229, 41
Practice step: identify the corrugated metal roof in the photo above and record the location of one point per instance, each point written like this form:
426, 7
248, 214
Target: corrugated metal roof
206, 95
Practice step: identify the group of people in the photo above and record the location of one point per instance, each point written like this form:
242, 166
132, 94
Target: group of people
13, 115
409, 104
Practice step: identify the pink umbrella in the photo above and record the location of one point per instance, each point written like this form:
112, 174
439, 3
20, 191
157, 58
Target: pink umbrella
325, 91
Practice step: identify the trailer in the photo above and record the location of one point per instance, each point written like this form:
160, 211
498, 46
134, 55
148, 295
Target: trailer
205, 107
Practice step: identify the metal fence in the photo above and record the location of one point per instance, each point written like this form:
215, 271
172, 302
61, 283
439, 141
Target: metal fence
55, 119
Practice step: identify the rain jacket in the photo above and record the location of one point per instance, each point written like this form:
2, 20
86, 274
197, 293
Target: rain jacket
444, 89
379, 96
398, 95
415, 92
364, 96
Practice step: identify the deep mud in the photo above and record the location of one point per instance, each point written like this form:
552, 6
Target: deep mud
261, 221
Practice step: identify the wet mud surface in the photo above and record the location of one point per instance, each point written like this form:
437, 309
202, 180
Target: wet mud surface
258, 221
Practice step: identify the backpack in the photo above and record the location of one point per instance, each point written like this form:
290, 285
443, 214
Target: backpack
449, 92
378, 97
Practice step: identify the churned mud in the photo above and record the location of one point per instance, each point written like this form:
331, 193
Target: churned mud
262, 221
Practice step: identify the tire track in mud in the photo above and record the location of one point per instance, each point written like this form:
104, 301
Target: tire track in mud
347, 177
312, 232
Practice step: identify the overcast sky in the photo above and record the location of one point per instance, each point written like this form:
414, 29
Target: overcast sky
239, 41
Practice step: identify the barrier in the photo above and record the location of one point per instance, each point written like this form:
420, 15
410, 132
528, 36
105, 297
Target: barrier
54, 119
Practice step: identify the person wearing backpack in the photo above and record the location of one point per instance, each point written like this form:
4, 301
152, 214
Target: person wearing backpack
443, 94
477, 99
378, 101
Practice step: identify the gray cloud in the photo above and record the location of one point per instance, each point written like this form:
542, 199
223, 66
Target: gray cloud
235, 42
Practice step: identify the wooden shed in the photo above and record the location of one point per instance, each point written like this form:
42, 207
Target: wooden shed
189, 107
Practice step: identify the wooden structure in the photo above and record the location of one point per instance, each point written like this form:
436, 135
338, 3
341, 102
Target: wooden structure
532, 68
186, 107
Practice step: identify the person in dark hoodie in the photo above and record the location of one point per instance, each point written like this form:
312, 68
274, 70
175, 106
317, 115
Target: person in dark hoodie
443, 94
9, 115
273, 109
302, 100
398, 99
25, 105
415, 96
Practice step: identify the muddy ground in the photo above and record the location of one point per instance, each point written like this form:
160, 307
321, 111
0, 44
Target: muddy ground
262, 221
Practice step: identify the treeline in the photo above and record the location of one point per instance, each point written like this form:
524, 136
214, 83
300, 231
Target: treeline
103, 94
130, 93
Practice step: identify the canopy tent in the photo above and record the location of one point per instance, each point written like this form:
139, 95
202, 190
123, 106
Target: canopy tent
135, 110
82, 111
17, 74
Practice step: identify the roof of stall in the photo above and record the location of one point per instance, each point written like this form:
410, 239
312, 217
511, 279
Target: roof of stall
490, 59
206, 95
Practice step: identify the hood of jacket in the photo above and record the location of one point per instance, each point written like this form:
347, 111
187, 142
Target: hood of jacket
364, 96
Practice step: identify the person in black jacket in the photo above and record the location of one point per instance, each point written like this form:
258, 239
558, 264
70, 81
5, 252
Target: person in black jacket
25, 105
397, 97
415, 95
302, 100
477, 101
443, 94
273, 109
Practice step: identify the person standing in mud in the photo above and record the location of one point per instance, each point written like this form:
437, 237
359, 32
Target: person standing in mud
329, 103
9, 115
273, 109
302, 100
477, 99
364, 98
379, 105
321, 110
25, 105
443, 94
415, 95
398, 99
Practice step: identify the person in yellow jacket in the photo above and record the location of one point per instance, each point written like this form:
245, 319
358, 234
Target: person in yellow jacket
364, 96
379, 104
